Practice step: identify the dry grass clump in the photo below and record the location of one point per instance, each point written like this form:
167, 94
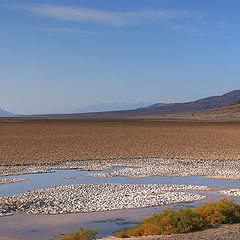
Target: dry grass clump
81, 234
186, 220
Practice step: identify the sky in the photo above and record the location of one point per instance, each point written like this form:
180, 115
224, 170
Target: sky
58, 55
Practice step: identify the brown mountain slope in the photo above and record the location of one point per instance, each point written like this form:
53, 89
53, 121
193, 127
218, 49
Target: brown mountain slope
236, 102
194, 106
229, 113
231, 109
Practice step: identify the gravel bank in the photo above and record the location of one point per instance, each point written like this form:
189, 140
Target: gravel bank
138, 168
96, 197
177, 167
11, 180
235, 192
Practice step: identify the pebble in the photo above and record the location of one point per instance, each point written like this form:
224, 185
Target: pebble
11, 180
139, 167
231, 192
97, 197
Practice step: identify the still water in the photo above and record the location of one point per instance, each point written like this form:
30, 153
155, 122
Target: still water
41, 227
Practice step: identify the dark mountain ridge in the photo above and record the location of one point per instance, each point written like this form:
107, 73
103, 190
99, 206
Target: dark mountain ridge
236, 102
172, 108
199, 105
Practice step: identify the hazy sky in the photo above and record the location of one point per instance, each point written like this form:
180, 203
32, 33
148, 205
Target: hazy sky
57, 55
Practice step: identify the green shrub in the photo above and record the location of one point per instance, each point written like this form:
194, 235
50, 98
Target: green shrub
186, 220
135, 231
221, 212
168, 222
82, 234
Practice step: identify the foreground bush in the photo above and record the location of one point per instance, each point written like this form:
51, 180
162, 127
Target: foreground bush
82, 234
168, 222
221, 212
186, 220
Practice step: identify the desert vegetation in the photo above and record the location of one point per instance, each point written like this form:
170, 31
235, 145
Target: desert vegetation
81, 234
186, 220
222, 212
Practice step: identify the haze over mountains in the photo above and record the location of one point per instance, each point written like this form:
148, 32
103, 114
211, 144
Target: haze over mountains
4, 113
172, 108
143, 109
103, 107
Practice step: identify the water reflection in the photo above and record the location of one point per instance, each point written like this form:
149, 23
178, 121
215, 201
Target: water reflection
46, 180
41, 227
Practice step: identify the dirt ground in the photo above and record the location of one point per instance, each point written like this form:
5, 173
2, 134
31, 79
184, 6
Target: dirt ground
48, 142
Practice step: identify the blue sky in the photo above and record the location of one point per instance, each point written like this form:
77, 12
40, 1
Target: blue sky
58, 55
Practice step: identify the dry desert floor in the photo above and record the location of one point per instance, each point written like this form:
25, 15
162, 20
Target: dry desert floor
51, 142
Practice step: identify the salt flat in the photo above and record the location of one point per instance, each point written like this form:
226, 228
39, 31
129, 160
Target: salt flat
96, 197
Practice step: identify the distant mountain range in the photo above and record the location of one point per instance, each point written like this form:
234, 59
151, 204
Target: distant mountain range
146, 109
231, 111
153, 105
172, 108
103, 107
5, 113
198, 105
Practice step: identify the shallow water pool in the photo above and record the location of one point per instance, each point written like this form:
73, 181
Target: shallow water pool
45, 227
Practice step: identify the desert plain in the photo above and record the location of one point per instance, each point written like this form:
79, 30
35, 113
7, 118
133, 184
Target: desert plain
44, 142
140, 147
